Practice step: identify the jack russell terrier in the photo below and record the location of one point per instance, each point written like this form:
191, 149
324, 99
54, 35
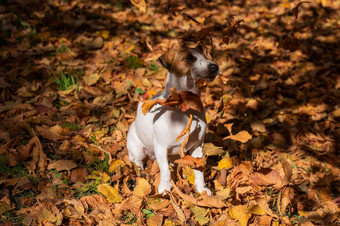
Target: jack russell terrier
154, 134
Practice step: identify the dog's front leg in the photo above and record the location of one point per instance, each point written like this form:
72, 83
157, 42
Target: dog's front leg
161, 154
199, 176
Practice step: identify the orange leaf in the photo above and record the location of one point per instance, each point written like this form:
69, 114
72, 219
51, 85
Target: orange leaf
143, 187
147, 105
191, 161
242, 136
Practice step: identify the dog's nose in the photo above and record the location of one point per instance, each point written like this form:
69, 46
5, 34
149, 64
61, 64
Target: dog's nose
213, 68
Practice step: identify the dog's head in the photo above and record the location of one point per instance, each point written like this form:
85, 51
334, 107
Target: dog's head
189, 62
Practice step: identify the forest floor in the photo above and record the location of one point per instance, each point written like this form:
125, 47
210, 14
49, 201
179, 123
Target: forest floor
71, 75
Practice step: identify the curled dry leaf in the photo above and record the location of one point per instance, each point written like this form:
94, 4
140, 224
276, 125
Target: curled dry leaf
295, 10
179, 211
186, 130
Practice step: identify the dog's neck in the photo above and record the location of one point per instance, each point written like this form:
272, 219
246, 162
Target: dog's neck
184, 83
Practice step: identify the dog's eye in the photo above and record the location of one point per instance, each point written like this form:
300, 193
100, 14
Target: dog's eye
190, 57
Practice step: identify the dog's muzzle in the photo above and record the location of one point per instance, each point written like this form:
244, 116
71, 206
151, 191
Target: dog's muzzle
213, 70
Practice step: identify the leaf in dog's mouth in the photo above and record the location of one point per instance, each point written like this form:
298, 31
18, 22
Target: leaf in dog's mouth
185, 100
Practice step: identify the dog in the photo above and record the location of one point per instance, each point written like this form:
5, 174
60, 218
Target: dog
154, 134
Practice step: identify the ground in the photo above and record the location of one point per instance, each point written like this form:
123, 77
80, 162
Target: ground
73, 71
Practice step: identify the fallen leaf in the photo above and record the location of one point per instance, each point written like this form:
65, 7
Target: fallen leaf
225, 163
91, 79
242, 136
200, 215
210, 149
147, 105
61, 165
240, 213
177, 209
111, 193
188, 160
115, 164
140, 4
143, 188
186, 130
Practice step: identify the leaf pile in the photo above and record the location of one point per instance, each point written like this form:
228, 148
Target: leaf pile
71, 73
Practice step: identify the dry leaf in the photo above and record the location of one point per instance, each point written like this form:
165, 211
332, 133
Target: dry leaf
140, 4
225, 163
61, 165
210, 149
240, 213
112, 194
186, 130
147, 105
178, 210
143, 188
242, 136
91, 79
188, 160
200, 215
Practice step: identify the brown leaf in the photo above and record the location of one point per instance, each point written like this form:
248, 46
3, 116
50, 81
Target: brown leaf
61, 165
295, 10
48, 133
186, 129
285, 198
178, 210
79, 175
267, 177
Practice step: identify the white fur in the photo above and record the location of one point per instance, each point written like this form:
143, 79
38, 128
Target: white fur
155, 133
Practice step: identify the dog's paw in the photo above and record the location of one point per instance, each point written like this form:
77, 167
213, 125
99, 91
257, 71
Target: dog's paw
164, 187
202, 189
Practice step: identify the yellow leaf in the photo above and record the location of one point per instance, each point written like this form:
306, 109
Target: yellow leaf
146, 82
190, 175
97, 175
242, 136
105, 34
116, 164
240, 213
112, 195
143, 187
147, 105
224, 194
91, 79
200, 215
140, 4
256, 209
225, 163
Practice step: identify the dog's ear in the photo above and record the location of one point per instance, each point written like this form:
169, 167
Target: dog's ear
200, 47
163, 60
166, 59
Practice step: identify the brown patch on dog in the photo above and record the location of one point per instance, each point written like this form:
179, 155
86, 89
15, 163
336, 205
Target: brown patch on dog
177, 61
